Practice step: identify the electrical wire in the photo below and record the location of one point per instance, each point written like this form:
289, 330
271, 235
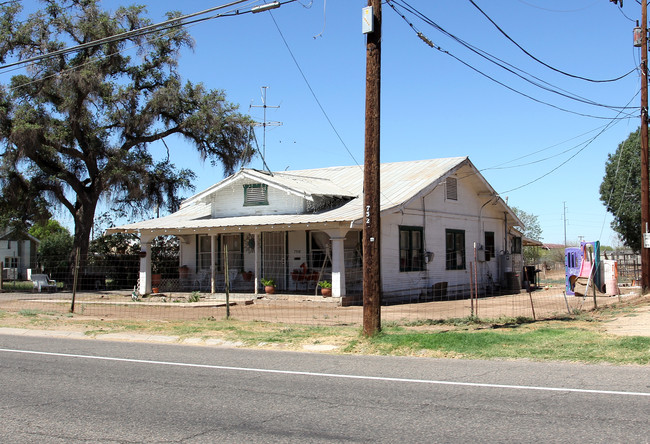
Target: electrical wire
169, 27
495, 60
311, 90
557, 10
540, 61
605, 128
541, 150
168, 24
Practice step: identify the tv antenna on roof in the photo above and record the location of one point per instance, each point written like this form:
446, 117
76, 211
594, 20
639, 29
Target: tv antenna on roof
264, 123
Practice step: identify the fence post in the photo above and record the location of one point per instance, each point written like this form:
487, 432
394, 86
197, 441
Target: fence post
471, 288
74, 281
2, 267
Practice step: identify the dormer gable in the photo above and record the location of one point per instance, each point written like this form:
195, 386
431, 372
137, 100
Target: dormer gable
252, 192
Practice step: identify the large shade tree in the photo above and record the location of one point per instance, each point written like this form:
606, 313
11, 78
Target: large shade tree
620, 190
77, 127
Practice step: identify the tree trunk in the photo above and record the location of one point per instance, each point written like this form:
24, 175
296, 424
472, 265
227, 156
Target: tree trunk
84, 218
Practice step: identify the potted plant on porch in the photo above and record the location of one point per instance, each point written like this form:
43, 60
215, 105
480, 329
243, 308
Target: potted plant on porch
269, 285
325, 288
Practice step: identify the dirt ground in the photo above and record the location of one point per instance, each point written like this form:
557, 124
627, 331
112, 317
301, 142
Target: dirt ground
636, 322
630, 314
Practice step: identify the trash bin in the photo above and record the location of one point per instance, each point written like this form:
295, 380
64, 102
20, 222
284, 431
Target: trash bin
512, 281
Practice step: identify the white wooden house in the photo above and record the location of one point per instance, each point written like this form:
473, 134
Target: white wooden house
17, 253
296, 227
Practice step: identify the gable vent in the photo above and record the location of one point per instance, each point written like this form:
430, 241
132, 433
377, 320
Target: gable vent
452, 188
256, 194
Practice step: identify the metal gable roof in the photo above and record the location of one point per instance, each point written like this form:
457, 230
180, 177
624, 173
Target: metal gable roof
303, 186
400, 182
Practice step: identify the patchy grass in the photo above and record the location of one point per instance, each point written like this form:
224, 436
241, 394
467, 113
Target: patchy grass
553, 342
578, 338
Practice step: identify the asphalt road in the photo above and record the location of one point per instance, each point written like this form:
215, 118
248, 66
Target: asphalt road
69, 391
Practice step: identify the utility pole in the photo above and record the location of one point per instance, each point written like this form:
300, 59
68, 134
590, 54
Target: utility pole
641, 40
564, 224
371, 187
645, 207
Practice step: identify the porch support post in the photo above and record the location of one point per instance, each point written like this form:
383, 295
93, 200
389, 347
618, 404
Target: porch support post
257, 262
213, 265
338, 261
145, 264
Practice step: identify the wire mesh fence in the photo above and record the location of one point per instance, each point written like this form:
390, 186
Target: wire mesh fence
107, 288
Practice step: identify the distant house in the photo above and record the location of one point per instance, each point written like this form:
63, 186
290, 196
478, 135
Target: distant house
17, 253
440, 220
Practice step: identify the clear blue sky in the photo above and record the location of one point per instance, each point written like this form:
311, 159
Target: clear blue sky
433, 105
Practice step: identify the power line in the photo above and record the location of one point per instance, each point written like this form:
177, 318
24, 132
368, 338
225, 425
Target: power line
311, 90
492, 59
611, 123
175, 22
540, 61
542, 149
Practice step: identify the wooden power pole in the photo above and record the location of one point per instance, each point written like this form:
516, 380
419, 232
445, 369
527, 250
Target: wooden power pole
645, 191
641, 40
371, 185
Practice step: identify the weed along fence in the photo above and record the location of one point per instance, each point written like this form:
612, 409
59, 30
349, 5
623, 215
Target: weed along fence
106, 289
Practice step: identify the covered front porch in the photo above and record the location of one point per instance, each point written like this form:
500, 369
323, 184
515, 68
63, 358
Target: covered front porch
296, 258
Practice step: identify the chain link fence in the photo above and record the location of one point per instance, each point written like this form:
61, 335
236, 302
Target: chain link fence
107, 289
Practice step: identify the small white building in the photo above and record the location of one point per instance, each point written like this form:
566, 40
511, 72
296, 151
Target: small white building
437, 217
17, 253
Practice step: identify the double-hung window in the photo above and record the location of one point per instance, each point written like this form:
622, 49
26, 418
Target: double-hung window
455, 248
411, 249
489, 245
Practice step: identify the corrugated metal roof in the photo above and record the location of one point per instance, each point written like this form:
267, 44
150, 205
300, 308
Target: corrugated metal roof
400, 182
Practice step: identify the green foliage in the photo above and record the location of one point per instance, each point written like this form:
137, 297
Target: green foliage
45, 229
117, 244
324, 284
194, 297
21, 202
78, 127
532, 230
165, 253
117, 256
54, 255
620, 190
268, 282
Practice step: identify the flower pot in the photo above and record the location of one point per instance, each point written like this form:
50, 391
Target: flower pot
326, 292
155, 289
247, 275
269, 289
